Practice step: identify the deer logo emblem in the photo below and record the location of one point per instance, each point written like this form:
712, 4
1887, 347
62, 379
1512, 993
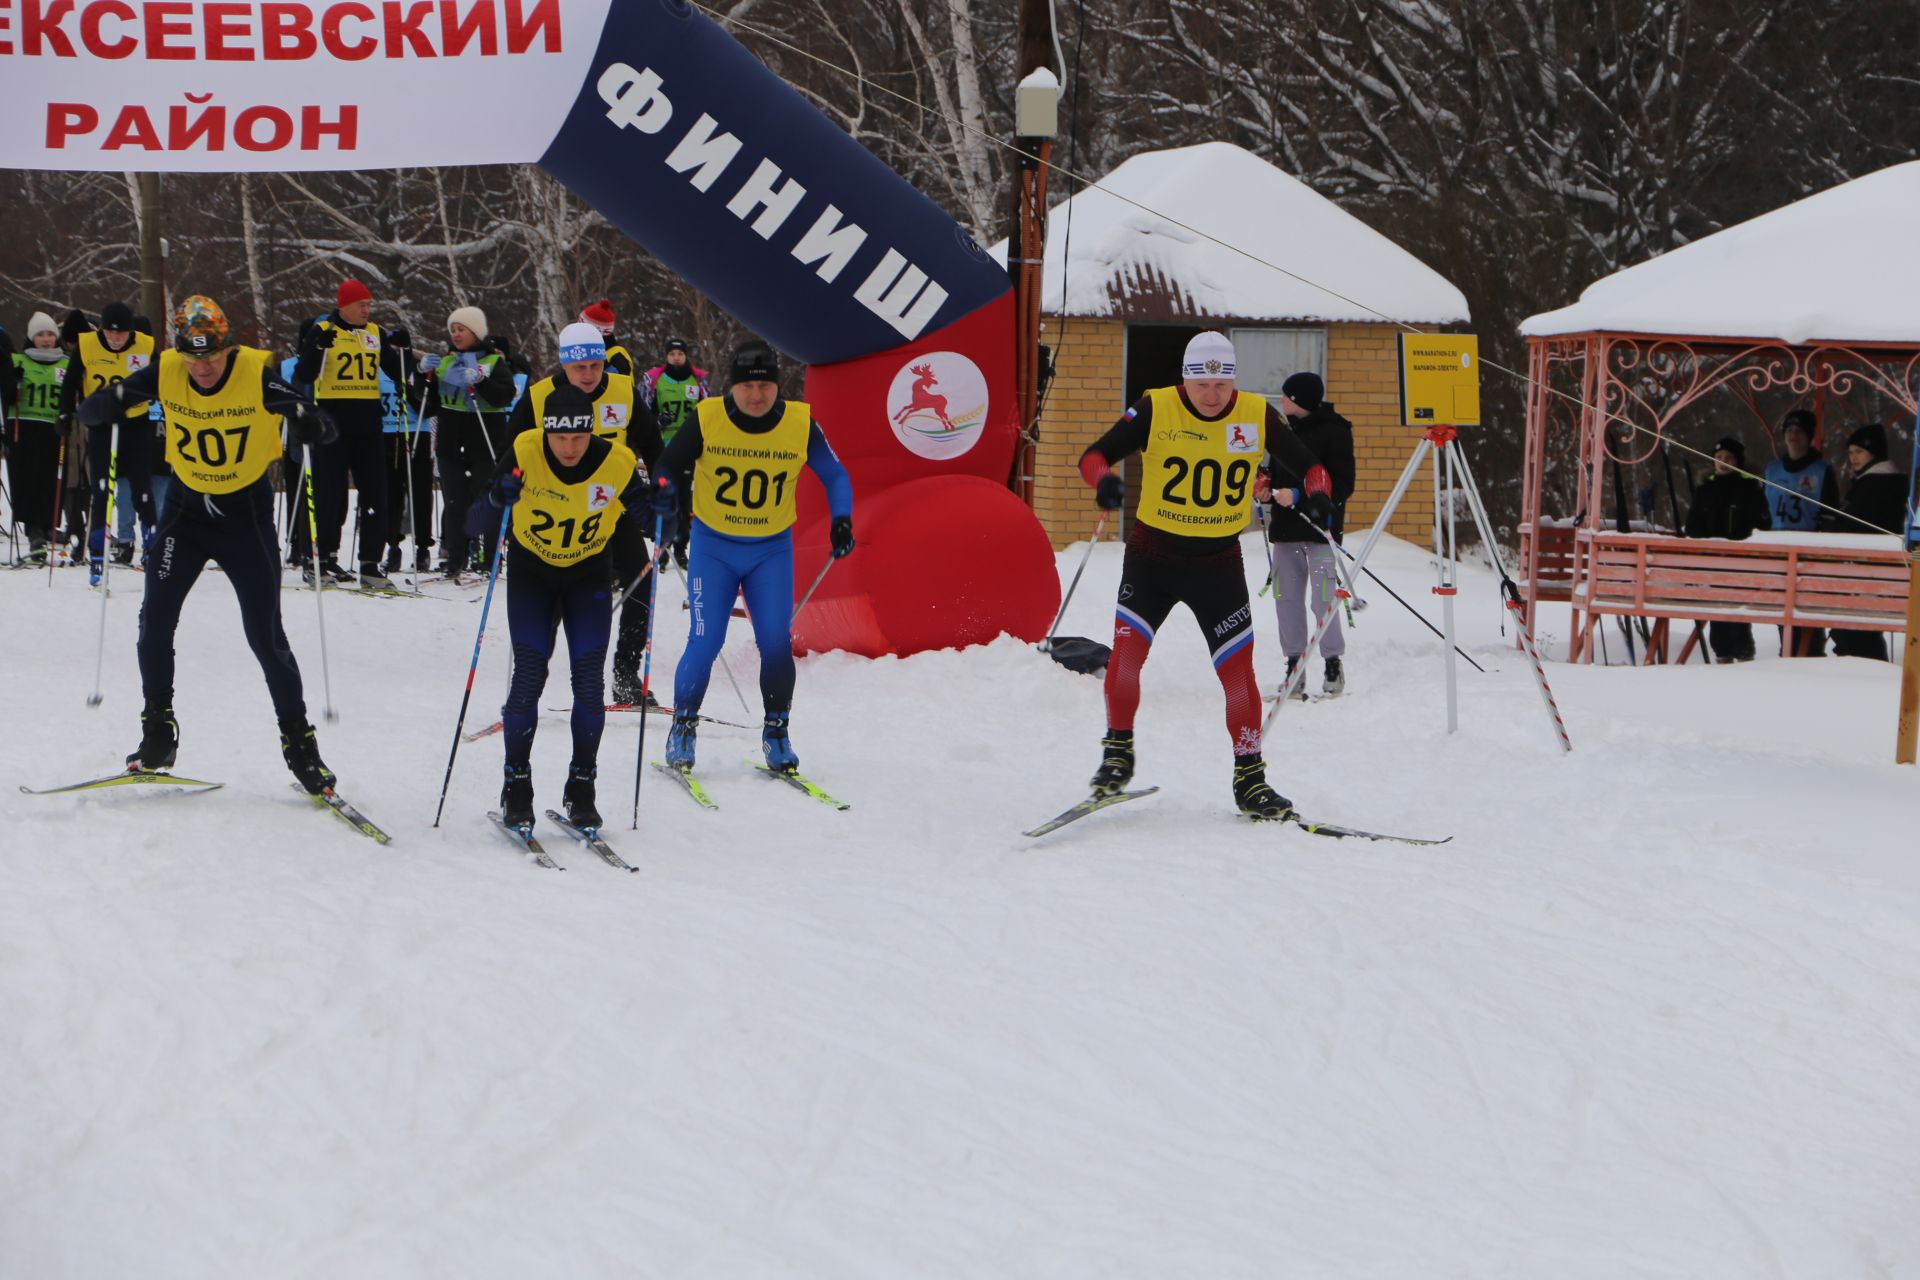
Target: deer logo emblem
925, 400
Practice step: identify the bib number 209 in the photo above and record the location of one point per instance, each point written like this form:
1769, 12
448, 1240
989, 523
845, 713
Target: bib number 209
1204, 481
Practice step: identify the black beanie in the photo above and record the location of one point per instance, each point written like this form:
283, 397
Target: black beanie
1728, 444
680, 345
1305, 390
116, 315
1873, 438
754, 361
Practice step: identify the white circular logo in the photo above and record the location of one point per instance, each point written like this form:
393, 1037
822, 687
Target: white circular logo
938, 404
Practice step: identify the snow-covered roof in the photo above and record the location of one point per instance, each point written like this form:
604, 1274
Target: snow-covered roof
1839, 266
1129, 262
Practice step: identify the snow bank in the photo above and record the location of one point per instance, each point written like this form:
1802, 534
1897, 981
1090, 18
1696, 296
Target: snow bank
1653, 1013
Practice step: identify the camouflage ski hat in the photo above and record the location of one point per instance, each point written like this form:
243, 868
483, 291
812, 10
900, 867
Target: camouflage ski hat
200, 327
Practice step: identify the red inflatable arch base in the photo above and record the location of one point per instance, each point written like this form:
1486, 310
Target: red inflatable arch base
941, 562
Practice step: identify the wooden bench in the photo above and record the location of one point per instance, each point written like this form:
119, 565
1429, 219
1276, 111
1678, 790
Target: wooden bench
1553, 565
1793, 581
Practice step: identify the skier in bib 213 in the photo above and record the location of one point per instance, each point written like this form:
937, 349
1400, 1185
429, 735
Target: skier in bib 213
223, 405
1203, 445
570, 490
745, 451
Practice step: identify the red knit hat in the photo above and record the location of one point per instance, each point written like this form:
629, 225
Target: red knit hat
351, 291
599, 315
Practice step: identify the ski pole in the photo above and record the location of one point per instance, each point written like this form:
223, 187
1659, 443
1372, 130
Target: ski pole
59, 500
493, 576
1382, 583
646, 668
818, 578
319, 610
13, 521
95, 698
1046, 646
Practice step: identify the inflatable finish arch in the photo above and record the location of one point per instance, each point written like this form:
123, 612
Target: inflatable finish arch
675, 133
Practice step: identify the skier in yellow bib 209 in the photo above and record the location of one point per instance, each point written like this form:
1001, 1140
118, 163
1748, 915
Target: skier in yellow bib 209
223, 406
1204, 444
570, 490
745, 452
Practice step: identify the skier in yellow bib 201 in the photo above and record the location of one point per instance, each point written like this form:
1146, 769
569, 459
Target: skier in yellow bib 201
223, 406
744, 452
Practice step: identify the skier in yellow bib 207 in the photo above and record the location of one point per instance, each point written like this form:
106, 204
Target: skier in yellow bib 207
223, 406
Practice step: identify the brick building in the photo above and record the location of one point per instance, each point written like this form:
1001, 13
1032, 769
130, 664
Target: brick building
1124, 289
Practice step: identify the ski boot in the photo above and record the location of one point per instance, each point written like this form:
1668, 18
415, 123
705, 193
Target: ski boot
1299, 694
159, 741
96, 569
577, 799
516, 797
1116, 763
371, 579
680, 740
1335, 683
123, 551
1250, 791
302, 754
627, 691
392, 564
422, 560
774, 741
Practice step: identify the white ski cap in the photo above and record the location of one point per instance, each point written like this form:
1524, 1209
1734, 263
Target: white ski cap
41, 323
1209, 355
580, 342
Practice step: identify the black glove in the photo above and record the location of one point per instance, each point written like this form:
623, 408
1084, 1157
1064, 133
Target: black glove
310, 426
1111, 492
400, 338
840, 533
506, 490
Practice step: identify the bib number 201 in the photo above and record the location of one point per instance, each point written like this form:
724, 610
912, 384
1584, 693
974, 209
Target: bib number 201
753, 488
1204, 480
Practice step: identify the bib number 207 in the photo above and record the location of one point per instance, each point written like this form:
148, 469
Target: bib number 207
209, 447
1203, 482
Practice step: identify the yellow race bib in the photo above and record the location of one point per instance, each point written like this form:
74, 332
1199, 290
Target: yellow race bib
102, 368
612, 411
1196, 477
349, 364
565, 523
747, 485
221, 442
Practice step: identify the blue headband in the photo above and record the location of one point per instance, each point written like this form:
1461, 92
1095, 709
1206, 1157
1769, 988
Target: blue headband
583, 351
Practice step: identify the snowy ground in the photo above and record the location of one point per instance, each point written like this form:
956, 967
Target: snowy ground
1654, 1012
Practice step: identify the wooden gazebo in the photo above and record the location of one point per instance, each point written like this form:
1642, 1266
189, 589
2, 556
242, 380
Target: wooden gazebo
1811, 304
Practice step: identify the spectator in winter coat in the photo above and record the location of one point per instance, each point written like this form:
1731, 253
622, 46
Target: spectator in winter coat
1878, 495
673, 390
1729, 504
476, 394
1304, 573
1802, 491
34, 429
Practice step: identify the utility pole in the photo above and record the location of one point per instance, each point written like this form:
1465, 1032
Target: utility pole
1036, 120
153, 256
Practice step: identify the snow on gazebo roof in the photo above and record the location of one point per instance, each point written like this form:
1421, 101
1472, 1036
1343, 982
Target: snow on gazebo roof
1843, 265
1132, 263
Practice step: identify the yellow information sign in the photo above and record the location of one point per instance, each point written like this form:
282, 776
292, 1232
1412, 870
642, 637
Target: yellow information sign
1440, 379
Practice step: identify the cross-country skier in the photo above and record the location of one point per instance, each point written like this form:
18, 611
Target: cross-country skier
600, 316
33, 445
621, 417
476, 390
745, 452
1203, 442
341, 358
223, 405
570, 490
673, 389
115, 352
